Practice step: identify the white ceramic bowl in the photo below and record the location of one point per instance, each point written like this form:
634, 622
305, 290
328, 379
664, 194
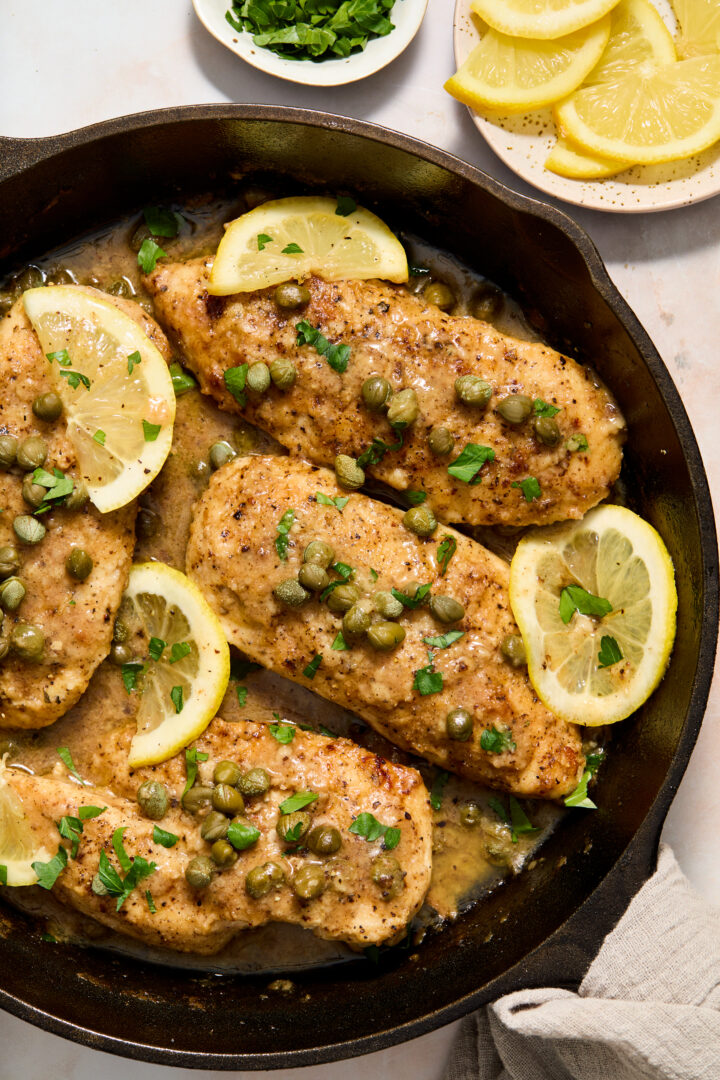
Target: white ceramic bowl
406, 14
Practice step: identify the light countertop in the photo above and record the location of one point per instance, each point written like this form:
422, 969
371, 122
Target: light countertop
75, 62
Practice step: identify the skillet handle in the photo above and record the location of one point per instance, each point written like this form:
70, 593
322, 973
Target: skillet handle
19, 154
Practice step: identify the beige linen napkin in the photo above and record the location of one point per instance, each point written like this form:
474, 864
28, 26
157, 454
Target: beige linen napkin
648, 1008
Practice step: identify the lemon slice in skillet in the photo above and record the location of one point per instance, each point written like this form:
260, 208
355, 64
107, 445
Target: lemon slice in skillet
18, 847
184, 674
595, 601
292, 238
115, 387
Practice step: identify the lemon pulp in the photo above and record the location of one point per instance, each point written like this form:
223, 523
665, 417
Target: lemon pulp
541, 18
18, 847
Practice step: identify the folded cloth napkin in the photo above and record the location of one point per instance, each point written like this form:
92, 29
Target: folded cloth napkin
648, 1008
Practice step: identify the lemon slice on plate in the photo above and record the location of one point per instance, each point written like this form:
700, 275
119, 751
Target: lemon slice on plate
540, 18
18, 847
595, 602
514, 74
187, 664
291, 238
699, 26
115, 386
568, 160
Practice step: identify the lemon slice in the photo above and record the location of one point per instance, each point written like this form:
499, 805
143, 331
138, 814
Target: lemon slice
119, 412
649, 116
614, 555
568, 160
541, 18
18, 847
699, 26
514, 74
187, 665
291, 238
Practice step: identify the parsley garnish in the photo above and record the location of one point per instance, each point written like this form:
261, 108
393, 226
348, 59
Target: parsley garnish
517, 821
467, 466
579, 797
368, 826
339, 502
293, 249
179, 650
346, 205
337, 356
310, 671
151, 431
161, 836
242, 835
133, 360
74, 378
156, 648
135, 869
298, 801
577, 443
149, 254
574, 598
339, 644
86, 812
421, 594
529, 487
242, 693
373, 574
176, 696
192, 757
437, 789
130, 673
235, 382
49, 872
99, 437
378, 448
58, 486
284, 526
150, 902
283, 733
262, 240
446, 549
442, 641
3, 874
415, 498
427, 680
181, 380
62, 356
311, 31
71, 828
543, 409
161, 222
497, 742
345, 572
66, 757
610, 652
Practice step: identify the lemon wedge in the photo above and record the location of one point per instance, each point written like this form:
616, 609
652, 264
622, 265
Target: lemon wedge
18, 847
541, 18
291, 238
601, 664
187, 665
514, 74
115, 387
699, 27
648, 116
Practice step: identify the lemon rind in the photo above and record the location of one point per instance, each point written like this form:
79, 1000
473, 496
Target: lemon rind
554, 24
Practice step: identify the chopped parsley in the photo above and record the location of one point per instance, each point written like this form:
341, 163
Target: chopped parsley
235, 378
530, 488
162, 222
133, 360
74, 378
179, 650
427, 680
311, 29
262, 240
182, 381
298, 801
443, 641
467, 466
345, 572
610, 652
346, 205
176, 696
57, 487
66, 757
579, 797
337, 356
542, 408
71, 828
577, 443
446, 549
136, 869
415, 498
242, 693
368, 826
166, 839
3, 874
373, 574
150, 902
310, 671
130, 674
516, 821
293, 249
149, 254
87, 812
151, 431
156, 648
339, 644
437, 789
497, 742
378, 448
339, 502
242, 835
99, 437
574, 598
49, 872
283, 733
192, 757
421, 594
283, 527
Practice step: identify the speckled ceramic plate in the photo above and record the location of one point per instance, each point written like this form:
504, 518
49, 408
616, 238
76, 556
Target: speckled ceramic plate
523, 142
406, 14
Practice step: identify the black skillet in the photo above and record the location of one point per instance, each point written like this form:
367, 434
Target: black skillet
543, 927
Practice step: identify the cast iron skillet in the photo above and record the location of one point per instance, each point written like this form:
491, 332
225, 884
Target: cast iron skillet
544, 927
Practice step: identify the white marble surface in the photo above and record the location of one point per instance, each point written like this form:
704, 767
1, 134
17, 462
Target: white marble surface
73, 62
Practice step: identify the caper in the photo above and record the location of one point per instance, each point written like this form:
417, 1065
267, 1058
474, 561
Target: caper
438, 293
440, 442
32, 453
472, 390
120, 653
513, 650
47, 407
324, 840
198, 796
263, 879
223, 853
227, 772
385, 636
487, 303
308, 882
546, 430
78, 564
342, 599
121, 630
470, 814
152, 799
290, 592
78, 496
12, 593
228, 799
388, 606
27, 642
258, 378
4, 647
292, 827
33, 493
147, 523
459, 725
282, 372
28, 529
61, 276
515, 408
32, 277
319, 552
254, 782
198, 470
420, 520
348, 472
139, 236
356, 621
9, 561
376, 393
292, 296
221, 453
403, 409
214, 827
120, 287
574, 443
8, 451
313, 577
6, 302
199, 872
386, 873
445, 609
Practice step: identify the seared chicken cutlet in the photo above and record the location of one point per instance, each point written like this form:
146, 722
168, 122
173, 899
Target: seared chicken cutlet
413, 345
356, 901
234, 558
75, 617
